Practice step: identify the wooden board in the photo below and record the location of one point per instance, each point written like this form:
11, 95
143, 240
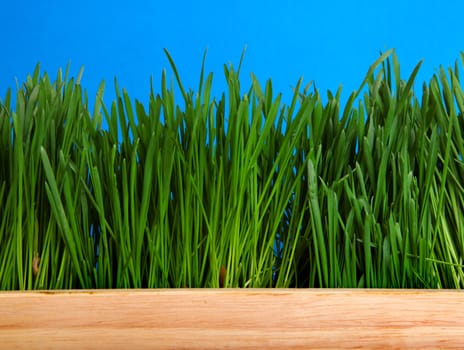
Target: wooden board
232, 319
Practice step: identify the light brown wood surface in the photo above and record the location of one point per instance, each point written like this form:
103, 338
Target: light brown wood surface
232, 319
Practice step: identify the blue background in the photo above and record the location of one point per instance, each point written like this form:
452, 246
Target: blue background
332, 43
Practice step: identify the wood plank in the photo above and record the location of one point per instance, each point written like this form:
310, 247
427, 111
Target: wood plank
232, 319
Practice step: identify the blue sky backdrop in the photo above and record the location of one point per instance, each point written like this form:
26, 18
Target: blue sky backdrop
330, 42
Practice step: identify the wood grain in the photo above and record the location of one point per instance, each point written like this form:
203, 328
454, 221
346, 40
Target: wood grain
232, 319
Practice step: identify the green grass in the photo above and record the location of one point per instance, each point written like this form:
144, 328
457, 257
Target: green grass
368, 194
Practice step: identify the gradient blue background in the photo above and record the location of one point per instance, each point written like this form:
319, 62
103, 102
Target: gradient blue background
332, 43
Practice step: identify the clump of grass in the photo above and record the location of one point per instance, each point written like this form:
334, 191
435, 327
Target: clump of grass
236, 191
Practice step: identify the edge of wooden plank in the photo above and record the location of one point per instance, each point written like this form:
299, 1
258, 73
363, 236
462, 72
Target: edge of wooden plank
232, 318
